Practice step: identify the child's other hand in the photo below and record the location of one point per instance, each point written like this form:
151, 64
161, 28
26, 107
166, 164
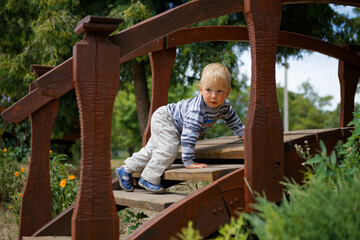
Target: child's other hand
243, 137
197, 165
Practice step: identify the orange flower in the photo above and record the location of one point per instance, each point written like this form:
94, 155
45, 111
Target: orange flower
10, 207
5, 149
22, 169
50, 151
71, 177
16, 173
20, 194
63, 183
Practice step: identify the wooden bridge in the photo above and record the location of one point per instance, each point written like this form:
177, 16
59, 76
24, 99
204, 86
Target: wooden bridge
94, 73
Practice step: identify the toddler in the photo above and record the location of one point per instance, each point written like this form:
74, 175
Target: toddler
178, 124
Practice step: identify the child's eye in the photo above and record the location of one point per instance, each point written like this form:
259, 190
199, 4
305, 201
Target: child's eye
220, 91
208, 90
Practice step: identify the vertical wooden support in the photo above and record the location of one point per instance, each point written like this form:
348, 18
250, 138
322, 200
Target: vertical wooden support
349, 77
264, 150
37, 199
161, 64
96, 79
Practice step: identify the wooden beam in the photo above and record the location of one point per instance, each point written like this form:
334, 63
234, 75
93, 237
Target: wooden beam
354, 3
215, 202
264, 153
161, 66
37, 199
167, 22
96, 68
58, 81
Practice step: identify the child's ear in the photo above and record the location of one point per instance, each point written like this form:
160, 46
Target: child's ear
200, 89
228, 92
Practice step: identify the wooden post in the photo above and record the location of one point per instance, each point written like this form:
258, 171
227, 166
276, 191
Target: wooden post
161, 65
96, 79
37, 199
264, 150
349, 77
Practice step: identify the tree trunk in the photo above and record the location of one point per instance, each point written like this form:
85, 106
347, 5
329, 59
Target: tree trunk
141, 94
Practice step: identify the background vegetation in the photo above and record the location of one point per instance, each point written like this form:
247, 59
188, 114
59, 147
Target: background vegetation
42, 32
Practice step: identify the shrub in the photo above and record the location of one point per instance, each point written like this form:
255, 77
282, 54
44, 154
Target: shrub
64, 185
12, 176
326, 206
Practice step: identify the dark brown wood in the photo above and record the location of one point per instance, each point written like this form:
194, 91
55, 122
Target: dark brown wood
25, 106
36, 202
146, 200
349, 78
210, 174
264, 153
39, 70
206, 208
58, 226
141, 91
161, 65
58, 81
354, 3
162, 24
96, 80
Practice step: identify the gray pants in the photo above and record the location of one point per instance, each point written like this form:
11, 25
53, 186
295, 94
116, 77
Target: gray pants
160, 151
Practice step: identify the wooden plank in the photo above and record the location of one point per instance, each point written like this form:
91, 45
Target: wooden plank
354, 3
212, 173
25, 106
167, 22
206, 208
47, 238
146, 200
57, 81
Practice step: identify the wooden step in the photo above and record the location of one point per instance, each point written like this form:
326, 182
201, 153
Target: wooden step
213, 172
146, 200
48, 238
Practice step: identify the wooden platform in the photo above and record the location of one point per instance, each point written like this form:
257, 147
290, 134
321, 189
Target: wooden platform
48, 238
143, 199
215, 171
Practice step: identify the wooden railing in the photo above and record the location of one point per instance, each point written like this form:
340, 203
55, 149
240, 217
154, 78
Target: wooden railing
94, 73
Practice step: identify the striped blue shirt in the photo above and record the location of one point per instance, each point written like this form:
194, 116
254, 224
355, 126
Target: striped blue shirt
192, 117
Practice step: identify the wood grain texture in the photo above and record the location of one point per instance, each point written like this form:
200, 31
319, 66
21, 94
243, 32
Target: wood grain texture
212, 173
206, 203
58, 81
37, 199
349, 78
96, 80
167, 22
264, 154
354, 3
146, 200
161, 66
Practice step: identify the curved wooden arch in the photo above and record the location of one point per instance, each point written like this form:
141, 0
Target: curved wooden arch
354, 3
237, 33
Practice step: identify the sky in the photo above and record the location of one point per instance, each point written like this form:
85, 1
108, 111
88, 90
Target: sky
320, 70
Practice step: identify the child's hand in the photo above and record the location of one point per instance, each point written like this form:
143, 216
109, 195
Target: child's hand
243, 137
197, 165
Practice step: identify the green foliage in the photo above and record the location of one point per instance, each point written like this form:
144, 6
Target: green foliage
12, 177
325, 207
135, 219
64, 185
125, 134
235, 230
189, 233
307, 109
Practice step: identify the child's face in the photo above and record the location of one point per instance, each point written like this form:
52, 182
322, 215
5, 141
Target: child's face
214, 92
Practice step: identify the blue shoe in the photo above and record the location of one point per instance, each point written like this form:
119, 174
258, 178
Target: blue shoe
124, 179
150, 187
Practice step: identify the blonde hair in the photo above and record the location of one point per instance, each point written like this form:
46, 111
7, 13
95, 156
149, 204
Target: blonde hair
216, 72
